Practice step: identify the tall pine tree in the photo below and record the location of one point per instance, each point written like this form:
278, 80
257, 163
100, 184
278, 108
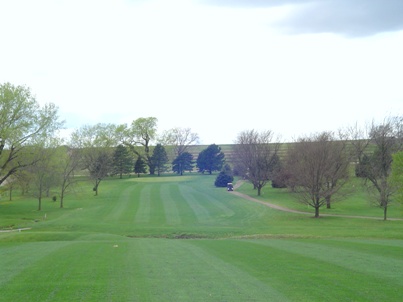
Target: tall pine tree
182, 163
159, 159
122, 161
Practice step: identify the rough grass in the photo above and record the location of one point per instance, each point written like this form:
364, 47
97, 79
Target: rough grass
181, 239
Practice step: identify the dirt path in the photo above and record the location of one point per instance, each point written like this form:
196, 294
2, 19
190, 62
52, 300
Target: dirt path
14, 230
280, 208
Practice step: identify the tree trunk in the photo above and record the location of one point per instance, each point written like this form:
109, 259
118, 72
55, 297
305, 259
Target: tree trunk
328, 206
385, 209
61, 199
40, 198
316, 212
40, 202
96, 187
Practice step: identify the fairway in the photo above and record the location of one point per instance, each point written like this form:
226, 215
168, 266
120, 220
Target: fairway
175, 238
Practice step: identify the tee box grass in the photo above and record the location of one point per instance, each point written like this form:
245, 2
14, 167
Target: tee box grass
179, 238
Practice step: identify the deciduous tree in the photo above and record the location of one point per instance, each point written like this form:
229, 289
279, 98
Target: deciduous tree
96, 144
180, 139
69, 163
385, 139
141, 132
397, 174
255, 156
319, 169
22, 123
43, 172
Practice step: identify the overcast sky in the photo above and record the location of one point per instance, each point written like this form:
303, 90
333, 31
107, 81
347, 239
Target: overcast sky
218, 67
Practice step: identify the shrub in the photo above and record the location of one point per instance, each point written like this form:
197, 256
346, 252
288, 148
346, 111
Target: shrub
223, 179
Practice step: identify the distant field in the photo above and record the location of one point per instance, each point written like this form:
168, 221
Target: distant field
177, 238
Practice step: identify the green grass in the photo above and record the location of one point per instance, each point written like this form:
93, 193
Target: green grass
176, 238
356, 202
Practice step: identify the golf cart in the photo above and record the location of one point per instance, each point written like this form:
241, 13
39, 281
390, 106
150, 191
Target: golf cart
230, 186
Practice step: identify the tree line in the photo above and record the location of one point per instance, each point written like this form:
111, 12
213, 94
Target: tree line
34, 158
315, 168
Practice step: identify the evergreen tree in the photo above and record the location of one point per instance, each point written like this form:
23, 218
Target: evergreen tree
140, 166
182, 163
210, 159
122, 161
159, 159
224, 177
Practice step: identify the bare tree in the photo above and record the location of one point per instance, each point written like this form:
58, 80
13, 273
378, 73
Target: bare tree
385, 139
319, 169
99, 165
69, 164
43, 172
255, 155
180, 138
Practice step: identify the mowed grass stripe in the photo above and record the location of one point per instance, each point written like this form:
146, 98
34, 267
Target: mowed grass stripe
15, 258
381, 266
122, 209
177, 270
206, 207
299, 275
157, 213
143, 213
82, 271
219, 207
190, 195
186, 214
167, 193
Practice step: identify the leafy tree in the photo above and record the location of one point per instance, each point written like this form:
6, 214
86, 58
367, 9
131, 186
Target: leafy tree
95, 144
182, 163
122, 161
210, 159
397, 174
140, 166
23, 180
159, 159
319, 169
255, 156
141, 132
22, 124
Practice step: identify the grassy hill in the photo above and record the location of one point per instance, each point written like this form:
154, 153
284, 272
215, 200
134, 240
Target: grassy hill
174, 238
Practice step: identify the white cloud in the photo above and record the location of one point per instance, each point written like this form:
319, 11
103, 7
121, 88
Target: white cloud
217, 70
